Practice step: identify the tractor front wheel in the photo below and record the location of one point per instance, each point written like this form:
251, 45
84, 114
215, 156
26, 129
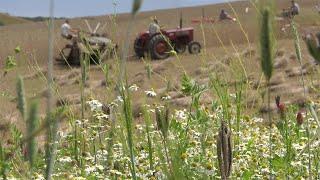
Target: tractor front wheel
194, 47
180, 48
138, 48
159, 47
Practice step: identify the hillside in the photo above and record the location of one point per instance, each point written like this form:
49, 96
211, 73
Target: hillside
6, 19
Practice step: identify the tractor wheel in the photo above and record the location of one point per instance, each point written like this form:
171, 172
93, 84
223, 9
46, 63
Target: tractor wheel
159, 47
180, 48
138, 48
74, 56
194, 47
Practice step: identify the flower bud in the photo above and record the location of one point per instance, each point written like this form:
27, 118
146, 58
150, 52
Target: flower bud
277, 101
282, 107
299, 118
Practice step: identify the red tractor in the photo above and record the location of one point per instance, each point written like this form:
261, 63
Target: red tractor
159, 45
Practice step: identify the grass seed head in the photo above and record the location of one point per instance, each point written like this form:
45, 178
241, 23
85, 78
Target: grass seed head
313, 46
162, 119
224, 151
266, 43
32, 124
136, 6
21, 97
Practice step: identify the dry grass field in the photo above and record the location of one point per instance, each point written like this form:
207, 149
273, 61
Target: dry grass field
221, 41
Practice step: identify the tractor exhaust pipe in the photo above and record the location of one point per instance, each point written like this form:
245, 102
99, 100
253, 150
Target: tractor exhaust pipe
180, 20
203, 15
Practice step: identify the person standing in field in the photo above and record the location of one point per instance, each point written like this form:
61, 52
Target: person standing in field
154, 27
66, 30
225, 16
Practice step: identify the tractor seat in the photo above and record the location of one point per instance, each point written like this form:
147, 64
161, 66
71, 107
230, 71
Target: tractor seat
99, 40
68, 46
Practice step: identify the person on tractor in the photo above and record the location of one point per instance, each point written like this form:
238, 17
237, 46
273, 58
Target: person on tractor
285, 13
154, 27
68, 32
295, 8
225, 16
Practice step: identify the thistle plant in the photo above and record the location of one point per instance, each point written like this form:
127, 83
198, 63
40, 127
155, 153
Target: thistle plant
187, 84
283, 127
267, 54
299, 57
11, 62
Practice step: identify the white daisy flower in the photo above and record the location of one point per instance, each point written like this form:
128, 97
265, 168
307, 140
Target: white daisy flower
133, 87
151, 93
95, 105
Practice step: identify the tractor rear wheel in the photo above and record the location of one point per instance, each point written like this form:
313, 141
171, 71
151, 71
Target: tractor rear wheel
194, 47
180, 48
138, 48
159, 47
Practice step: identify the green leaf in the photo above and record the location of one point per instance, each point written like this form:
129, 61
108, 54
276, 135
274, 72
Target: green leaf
17, 49
10, 63
279, 162
247, 175
187, 84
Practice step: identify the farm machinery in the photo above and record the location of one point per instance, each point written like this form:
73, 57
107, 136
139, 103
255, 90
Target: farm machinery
159, 45
92, 46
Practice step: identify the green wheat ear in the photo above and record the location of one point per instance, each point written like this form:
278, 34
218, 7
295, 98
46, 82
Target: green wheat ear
136, 6
296, 41
32, 125
21, 97
313, 48
162, 119
266, 43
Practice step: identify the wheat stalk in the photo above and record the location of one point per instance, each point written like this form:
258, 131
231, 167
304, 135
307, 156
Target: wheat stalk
267, 45
51, 135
